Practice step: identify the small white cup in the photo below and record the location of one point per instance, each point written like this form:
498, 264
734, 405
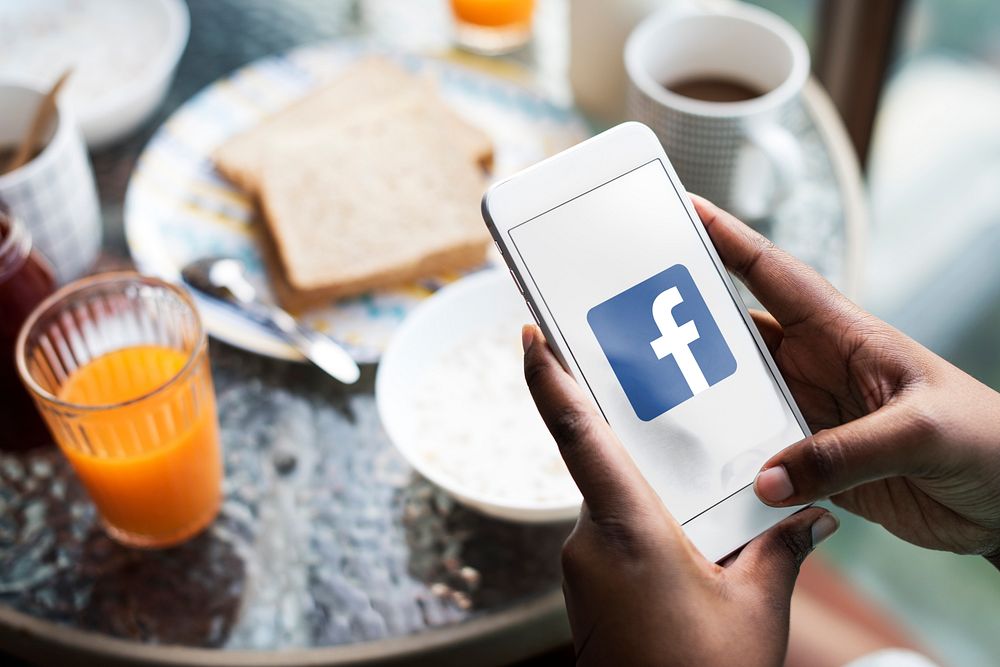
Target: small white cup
54, 195
737, 154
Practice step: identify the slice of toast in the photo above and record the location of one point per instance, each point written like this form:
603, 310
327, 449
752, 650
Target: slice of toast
392, 201
370, 91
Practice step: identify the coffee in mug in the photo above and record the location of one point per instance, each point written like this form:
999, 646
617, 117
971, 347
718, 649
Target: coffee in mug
713, 89
716, 88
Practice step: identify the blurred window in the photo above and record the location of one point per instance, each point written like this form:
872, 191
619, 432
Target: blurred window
800, 13
933, 174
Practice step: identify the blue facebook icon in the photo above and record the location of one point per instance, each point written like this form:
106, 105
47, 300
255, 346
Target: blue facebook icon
662, 342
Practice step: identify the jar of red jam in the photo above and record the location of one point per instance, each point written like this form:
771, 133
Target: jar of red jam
25, 280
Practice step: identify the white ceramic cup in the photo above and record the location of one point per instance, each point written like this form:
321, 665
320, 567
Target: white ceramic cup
737, 154
54, 194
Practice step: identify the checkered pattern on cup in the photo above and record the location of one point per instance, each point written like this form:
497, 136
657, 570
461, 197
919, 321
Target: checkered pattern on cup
720, 149
54, 194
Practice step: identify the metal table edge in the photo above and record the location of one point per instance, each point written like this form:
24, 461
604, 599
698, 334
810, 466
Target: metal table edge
514, 633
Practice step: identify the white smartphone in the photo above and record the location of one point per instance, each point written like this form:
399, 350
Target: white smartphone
624, 281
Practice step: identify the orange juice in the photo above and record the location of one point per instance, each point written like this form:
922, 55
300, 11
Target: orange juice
493, 13
492, 27
149, 456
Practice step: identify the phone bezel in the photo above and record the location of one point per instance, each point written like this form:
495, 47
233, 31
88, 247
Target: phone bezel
733, 521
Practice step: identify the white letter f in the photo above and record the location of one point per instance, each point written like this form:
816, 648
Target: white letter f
675, 340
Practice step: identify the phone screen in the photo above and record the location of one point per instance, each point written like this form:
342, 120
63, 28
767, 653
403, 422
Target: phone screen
630, 286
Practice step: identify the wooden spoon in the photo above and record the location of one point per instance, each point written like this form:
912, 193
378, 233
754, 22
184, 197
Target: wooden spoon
39, 124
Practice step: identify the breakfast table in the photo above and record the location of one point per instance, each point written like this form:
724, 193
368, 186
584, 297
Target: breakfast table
329, 548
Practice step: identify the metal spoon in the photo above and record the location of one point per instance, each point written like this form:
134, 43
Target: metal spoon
223, 278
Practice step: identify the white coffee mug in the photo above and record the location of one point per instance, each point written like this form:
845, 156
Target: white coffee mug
737, 154
54, 194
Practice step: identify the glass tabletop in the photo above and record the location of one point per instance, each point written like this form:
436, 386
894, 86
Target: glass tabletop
326, 537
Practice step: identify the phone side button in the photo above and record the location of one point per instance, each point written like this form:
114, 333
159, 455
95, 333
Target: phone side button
516, 282
531, 309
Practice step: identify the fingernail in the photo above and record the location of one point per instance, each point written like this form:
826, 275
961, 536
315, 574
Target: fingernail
774, 485
824, 527
527, 337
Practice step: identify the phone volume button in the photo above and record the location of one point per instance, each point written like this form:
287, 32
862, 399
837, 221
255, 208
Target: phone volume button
531, 309
517, 282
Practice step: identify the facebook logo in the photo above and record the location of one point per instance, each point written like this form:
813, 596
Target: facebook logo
662, 342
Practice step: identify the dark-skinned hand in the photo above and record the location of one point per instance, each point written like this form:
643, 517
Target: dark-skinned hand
637, 591
902, 437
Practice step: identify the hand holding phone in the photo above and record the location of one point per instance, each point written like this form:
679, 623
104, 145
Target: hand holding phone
904, 438
637, 590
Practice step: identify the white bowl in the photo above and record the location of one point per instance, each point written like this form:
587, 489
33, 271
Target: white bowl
61, 35
480, 303
134, 102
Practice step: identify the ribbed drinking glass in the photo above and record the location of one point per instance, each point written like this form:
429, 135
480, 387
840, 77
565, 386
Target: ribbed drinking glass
118, 366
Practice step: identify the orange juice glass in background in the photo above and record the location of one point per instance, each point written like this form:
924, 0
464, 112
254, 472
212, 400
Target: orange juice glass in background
118, 366
492, 26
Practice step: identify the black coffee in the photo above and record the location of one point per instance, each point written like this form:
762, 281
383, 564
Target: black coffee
714, 89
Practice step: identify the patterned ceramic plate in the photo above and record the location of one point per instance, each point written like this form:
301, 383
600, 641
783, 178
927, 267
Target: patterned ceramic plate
178, 208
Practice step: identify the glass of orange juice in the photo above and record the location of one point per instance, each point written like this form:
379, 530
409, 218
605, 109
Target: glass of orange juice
118, 366
492, 27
